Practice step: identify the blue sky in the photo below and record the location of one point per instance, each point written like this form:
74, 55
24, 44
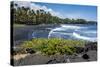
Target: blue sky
73, 11
65, 10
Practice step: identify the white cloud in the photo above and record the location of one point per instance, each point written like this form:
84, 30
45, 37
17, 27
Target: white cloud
37, 7
22, 3
54, 13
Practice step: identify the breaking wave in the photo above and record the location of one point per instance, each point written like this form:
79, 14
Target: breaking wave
74, 31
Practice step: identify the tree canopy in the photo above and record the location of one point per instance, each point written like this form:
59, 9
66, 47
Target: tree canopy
25, 15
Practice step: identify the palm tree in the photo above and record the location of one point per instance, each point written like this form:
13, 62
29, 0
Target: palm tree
37, 16
32, 17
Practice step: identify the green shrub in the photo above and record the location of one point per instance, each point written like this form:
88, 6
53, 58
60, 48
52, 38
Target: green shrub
53, 45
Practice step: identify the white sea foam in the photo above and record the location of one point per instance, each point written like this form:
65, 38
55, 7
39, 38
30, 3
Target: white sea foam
33, 35
85, 31
52, 30
84, 37
76, 32
62, 28
61, 33
71, 26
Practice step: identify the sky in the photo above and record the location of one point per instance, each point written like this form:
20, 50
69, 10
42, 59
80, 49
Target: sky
64, 10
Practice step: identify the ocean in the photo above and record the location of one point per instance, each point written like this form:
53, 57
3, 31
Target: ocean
67, 31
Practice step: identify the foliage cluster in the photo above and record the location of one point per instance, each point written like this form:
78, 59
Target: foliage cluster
53, 45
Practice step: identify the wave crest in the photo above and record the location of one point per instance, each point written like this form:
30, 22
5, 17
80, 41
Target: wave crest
83, 37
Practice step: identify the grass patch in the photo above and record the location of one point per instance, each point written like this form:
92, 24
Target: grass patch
53, 45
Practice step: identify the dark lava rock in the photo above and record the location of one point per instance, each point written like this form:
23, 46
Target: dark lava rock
85, 56
91, 46
58, 59
79, 49
53, 61
86, 49
30, 50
